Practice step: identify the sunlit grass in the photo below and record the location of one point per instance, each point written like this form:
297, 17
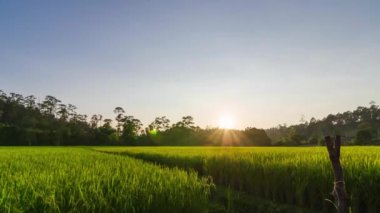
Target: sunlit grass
79, 180
299, 176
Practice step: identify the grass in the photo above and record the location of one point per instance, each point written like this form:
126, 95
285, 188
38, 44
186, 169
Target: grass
296, 176
80, 180
265, 179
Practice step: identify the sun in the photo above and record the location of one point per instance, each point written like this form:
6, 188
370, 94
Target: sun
226, 122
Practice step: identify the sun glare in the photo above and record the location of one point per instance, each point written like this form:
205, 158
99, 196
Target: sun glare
226, 122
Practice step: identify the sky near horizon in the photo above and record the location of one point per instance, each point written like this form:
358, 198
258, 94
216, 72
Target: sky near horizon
262, 62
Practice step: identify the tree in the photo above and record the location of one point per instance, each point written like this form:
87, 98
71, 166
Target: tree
293, 138
15, 98
374, 109
50, 105
106, 135
257, 137
62, 112
186, 122
3, 96
107, 122
119, 111
24, 121
363, 137
160, 124
30, 101
72, 113
131, 129
95, 120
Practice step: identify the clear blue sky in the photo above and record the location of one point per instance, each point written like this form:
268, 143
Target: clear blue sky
264, 62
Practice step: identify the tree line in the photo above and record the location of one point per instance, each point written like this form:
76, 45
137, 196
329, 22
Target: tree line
358, 127
24, 121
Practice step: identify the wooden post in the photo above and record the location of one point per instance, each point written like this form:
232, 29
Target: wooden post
339, 191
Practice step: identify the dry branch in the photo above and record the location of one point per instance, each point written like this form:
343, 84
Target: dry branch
339, 192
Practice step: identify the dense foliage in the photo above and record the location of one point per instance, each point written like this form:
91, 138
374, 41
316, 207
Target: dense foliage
361, 127
81, 180
299, 176
23, 121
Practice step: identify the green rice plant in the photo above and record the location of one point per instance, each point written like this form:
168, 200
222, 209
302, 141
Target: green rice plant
79, 180
299, 175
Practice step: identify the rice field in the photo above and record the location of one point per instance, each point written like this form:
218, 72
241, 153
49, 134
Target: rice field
299, 176
81, 180
182, 179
